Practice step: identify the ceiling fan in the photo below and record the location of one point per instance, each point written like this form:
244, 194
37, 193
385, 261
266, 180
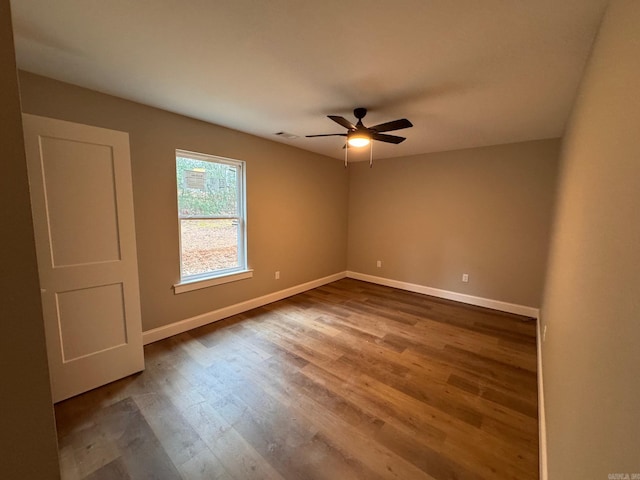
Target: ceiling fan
358, 135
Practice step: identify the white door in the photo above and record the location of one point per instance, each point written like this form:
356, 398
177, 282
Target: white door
82, 203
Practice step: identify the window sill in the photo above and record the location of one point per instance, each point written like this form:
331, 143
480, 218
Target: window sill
188, 286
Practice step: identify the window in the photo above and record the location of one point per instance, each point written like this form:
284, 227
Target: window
211, 218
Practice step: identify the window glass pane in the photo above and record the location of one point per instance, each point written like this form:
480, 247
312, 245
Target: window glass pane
210, 187
208, 245
206, 188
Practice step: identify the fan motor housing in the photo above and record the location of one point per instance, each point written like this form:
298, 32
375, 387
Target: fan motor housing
359, 113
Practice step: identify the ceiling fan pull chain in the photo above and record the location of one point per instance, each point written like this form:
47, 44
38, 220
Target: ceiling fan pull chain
370, 154
346, 152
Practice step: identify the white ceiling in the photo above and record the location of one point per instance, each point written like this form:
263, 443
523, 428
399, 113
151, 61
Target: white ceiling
465, 72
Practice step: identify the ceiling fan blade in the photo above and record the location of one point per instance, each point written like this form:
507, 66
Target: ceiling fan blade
388, 138
342, 121
395, 125
328, 135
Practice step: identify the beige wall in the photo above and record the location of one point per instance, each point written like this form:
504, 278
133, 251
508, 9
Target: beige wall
483, 211
591, 307
27, 436
296, 200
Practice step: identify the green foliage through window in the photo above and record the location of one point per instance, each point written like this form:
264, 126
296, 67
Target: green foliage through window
206, 188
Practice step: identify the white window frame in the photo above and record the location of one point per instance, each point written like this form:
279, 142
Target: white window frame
217, 277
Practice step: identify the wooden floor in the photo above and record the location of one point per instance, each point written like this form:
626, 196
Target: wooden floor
350, 380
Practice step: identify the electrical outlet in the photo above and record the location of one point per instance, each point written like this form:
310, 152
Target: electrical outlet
465, 277
277, 275
379, 264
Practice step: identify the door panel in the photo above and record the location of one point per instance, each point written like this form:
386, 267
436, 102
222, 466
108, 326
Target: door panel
82, 203
78, 235
104, 305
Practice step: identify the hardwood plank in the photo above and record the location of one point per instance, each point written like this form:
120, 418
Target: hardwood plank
114, 470
204, 466
347, 439
512, 402
231, 448
430, 461
178, 439
68, 466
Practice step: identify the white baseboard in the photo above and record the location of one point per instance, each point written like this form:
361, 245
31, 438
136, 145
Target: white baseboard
182, 326
458, 297
542, 421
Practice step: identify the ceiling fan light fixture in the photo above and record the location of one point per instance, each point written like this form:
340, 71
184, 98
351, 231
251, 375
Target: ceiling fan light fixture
359, 135
359, 140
